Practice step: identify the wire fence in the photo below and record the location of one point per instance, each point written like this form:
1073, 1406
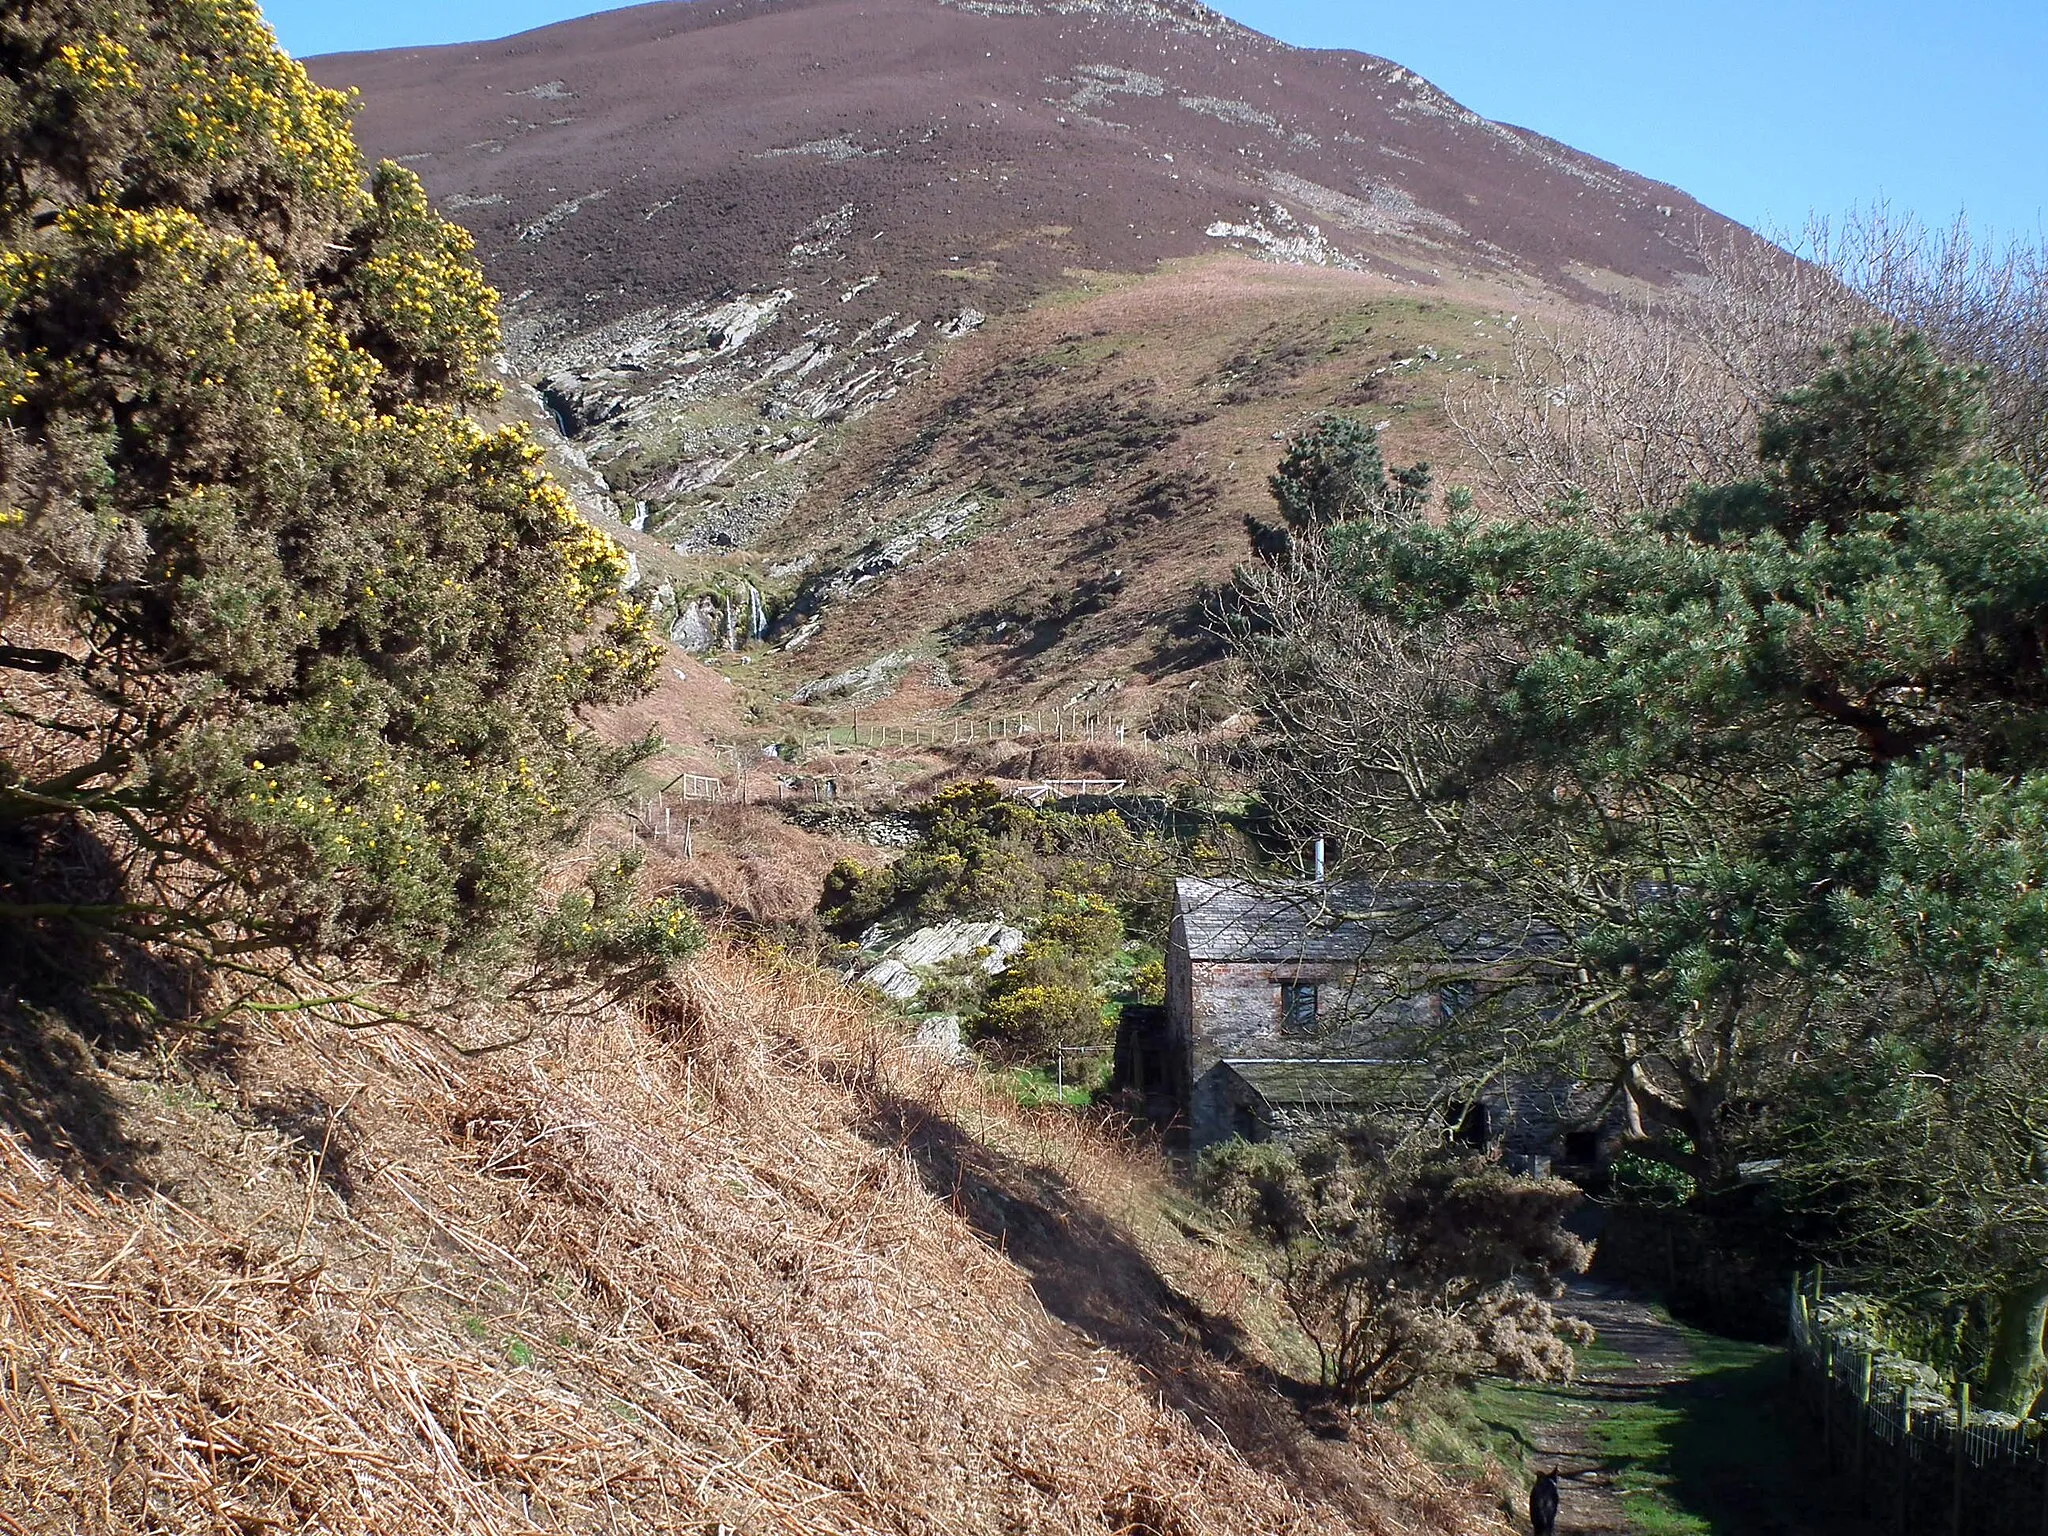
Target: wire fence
1922, 1463
1074, 725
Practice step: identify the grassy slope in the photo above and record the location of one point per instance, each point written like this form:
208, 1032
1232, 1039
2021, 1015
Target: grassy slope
1125, 426
742, 1264
1061, 419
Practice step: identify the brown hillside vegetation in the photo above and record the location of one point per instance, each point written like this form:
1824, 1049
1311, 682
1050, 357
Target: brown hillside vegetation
677, 151
739, 1263
1116, 441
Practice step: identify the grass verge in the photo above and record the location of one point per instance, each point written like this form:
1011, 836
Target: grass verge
1720, 1451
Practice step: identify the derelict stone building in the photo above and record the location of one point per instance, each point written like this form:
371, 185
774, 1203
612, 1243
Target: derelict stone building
1295, 1004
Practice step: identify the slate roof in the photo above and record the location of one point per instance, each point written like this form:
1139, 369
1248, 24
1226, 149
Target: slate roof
1341, 921
1320, 1084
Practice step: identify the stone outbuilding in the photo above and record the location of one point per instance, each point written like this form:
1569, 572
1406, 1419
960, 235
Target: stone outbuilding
1297, 1004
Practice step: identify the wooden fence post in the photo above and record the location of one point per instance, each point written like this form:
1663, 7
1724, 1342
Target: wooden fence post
1955, 1508
2041, 1455
1802, 1322
1903, 1461
1863, 1421
1827, 1400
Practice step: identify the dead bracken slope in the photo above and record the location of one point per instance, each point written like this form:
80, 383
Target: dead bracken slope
742, 1263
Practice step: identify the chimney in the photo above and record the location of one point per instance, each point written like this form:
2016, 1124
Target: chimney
1319, 861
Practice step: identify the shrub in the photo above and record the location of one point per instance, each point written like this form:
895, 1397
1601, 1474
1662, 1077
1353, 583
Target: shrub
1086, 927
1405, 1265
956, 986
605, 934
1650, 1181
855, 896
983, 854
1050, 995
1333, 471
1030, 1024
1148, 982
298, 652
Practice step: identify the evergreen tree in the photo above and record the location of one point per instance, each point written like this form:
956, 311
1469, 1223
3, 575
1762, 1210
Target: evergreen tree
1333, 472
294, 652
1774, 760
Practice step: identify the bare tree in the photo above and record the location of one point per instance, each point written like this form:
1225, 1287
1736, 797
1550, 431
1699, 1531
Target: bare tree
1624, 409
1978, 300
1405, 1264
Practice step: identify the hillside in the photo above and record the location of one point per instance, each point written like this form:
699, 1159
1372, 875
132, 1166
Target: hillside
957, 336
741, 1263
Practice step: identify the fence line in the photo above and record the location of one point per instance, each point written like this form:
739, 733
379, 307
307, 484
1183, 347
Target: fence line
1921, 1464
667, 814
1075, 724
671, 814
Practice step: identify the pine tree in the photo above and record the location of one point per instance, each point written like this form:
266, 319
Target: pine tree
1775, 760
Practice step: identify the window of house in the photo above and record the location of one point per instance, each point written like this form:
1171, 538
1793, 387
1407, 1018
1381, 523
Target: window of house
1298, 1007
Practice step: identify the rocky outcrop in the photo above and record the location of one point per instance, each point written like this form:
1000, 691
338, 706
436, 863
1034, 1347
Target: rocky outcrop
702, 415
900, 973
858, 685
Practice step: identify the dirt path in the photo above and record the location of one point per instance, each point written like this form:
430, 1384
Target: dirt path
1655, 1359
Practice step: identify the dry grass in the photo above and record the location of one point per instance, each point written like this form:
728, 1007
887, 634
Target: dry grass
748, 861
742, 1264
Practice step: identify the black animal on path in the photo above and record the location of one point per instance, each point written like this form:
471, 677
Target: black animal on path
1543, 1505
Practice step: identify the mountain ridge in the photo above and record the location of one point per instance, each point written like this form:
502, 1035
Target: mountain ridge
770, 64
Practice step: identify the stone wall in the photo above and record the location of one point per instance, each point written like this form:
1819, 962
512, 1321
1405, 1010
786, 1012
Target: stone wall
1917, 1467
1231, 1010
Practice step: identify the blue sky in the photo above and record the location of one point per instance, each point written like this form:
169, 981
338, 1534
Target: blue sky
1764, 109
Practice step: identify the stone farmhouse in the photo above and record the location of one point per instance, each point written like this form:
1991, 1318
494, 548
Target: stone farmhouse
1298, 1004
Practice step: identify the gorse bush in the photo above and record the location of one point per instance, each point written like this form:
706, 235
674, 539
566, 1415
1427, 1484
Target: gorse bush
1086, 927
1049, 997
1148, 982
1030, 1023
984, 854
606, 933
294, 646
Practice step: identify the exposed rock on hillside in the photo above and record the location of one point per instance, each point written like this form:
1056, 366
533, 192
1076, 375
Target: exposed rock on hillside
732, 231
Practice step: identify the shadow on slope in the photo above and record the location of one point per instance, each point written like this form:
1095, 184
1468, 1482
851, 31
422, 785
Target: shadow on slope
1088, 1273
1084, 1268
1726, 1445
69, 991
